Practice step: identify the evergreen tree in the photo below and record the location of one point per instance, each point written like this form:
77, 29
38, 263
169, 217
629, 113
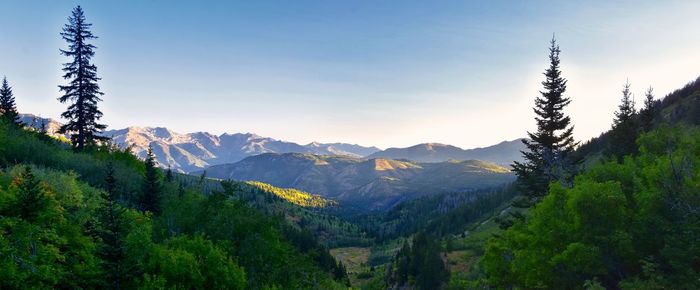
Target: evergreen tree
151, 187
203, 177
8, 109
82, 89
112, 251
169, 174
30, 199
626, 110
646, 115
418, 264
547, 157
625, 126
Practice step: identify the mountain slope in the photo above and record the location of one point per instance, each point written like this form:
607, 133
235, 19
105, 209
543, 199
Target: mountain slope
51, 126
503, 153
367, 183
196, 238
195, 151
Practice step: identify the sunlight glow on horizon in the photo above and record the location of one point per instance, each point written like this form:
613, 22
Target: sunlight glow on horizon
385, 75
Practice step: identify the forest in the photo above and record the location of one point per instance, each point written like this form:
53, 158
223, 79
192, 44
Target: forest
620, 211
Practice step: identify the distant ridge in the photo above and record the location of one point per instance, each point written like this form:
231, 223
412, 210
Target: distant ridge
196, 151
371, 184
503, 153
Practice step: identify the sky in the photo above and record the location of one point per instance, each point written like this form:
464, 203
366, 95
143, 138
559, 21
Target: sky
381, 73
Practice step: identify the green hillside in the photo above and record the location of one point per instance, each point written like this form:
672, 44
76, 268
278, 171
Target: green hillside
365, 184
66, 221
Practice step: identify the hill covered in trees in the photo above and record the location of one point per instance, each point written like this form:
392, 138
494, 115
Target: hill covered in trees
628, 224
374, 184
73, 218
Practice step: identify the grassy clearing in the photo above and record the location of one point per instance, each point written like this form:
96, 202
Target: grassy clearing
355, 261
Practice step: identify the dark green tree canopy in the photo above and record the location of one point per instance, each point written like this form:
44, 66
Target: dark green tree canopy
8, 108
646, 115
111, 219
152, 184
30, 197
82, 90
626, 110
625, 126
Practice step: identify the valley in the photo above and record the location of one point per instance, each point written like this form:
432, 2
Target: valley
595, 194
371, 184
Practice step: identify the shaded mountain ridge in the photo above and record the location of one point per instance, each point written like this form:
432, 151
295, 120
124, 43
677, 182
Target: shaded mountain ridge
503, 153
374, 184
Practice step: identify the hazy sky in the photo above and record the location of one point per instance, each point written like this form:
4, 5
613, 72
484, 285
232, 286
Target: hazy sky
384, 73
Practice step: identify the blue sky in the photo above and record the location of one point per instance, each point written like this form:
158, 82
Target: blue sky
384, 73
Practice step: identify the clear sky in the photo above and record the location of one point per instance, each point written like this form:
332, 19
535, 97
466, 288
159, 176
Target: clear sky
384, 73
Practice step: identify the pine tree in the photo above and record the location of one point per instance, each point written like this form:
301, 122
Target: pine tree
169, 175
151, 187
8, 108
82, 90
646, 115
112, 250
203, 177
625, 126
30, 199
626, 110
547, 156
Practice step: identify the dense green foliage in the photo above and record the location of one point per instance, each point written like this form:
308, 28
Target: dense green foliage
418, 265
632, 224
294, 196
439, 214
70, 220
311, 213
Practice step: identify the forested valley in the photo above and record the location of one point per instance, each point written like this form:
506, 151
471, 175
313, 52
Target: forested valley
620, 211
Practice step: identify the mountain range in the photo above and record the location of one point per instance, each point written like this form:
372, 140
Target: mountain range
503, 153
374, 184
196, 151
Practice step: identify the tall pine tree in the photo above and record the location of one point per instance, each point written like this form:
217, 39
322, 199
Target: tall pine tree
82, 90
625, 126
547, 154
8, 109
646, 115
626, 110
151, 186
112, 249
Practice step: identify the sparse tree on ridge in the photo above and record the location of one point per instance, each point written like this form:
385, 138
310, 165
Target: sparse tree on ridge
646, 114
8, 108
625, 126
547, 156
626, 110
82, 90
